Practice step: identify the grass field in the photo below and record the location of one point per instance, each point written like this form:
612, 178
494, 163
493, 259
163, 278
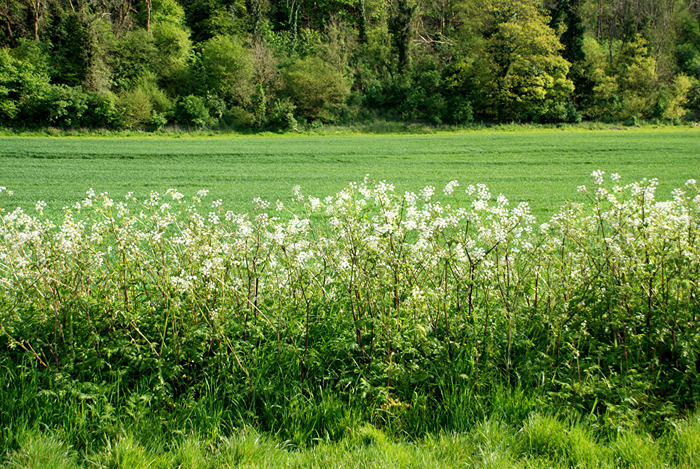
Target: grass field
542, 167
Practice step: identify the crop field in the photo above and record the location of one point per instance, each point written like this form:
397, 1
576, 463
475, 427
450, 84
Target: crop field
370, 326
541, 167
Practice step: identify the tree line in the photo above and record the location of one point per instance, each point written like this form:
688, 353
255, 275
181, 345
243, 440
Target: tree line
282, 64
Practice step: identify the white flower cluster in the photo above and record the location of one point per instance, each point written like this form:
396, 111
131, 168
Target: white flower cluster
408, 260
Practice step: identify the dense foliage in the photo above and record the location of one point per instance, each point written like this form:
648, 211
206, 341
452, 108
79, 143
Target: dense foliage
285, 64
368, 305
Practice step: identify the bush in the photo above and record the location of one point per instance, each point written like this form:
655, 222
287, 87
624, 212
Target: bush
65, 107
22, 87
228, 69
174, 47
193, 111
239, 118
317, 89
460, 111
133, 57
102, 111
156, 122
673, 98
134, 107
282, 116
422, 94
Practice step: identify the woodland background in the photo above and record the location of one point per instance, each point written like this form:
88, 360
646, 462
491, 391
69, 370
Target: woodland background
286, 64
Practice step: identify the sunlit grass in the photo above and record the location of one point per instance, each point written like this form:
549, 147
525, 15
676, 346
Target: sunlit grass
539, 441
541, 167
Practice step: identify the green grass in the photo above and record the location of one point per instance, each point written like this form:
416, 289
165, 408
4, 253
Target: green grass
540, 441
541, 166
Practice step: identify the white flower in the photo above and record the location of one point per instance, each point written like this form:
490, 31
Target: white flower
417, 294
303, 257
315, 203
174, 194
382, 229
450, 187
478, 254
202, 193
480, 204
261, 204
597, 176
427, 192
483, 192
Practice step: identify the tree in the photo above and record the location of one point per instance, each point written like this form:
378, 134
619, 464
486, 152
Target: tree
256, 10
527, 76
400, 27
132, 56
317, 88
11, 12
37, 10
687, 55
567, 17
72, 50
21, 87
623, 89
172, 41
228, 69
210, 18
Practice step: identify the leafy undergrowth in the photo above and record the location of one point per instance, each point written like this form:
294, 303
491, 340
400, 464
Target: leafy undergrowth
540, 441
413, 316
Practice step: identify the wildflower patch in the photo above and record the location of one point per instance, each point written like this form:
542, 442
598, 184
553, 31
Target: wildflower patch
365, 293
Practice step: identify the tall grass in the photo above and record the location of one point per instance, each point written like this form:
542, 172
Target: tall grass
542, 440
369, 306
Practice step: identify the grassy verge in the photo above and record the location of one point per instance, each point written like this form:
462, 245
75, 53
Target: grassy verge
540, 441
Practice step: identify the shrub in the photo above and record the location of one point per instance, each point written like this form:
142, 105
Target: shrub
65, 106
157, 121
228, 69
134, 107
193, 111
317, 89
673, 98
282, 116
134, 56
22, 85
102, 111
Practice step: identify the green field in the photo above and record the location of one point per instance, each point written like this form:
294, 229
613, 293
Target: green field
542, 167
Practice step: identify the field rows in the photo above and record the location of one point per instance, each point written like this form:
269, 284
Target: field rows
541, 167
